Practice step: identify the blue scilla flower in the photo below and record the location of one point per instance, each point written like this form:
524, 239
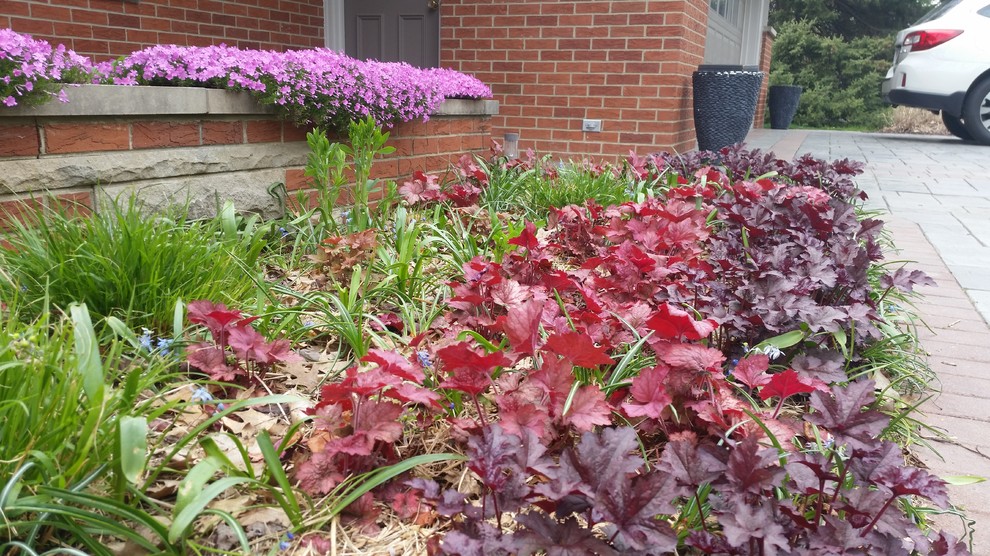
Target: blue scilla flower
283, 231
145, 339
164, 345
424, 358
201, 394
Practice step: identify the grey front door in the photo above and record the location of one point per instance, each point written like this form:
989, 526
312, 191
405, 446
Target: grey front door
393, 31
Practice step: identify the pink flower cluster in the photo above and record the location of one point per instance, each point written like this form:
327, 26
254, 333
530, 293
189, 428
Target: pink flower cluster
32, 71
319, 86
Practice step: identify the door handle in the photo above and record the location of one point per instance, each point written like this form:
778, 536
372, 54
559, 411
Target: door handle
433, 4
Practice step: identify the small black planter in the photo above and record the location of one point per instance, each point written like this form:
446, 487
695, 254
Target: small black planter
724, 104
782, 101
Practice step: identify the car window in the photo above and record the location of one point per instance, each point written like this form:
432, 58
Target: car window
937, 11
984, 11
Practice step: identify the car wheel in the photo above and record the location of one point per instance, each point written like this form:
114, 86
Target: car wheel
976, 111
956, 126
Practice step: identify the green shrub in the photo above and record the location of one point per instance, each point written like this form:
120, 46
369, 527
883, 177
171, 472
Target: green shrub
841, 79
121, 261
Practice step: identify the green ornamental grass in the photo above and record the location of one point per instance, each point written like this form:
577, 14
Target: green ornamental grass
124, 262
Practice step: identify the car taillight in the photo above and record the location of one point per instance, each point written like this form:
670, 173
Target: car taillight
923, 40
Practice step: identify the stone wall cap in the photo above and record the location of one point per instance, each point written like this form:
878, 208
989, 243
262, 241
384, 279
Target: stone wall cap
123, 100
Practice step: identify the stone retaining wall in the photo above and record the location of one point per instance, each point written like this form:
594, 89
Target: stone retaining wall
191, 145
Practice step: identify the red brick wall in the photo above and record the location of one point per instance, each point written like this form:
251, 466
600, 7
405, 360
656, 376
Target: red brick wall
105, 29
429, 146
766, 52
553, 63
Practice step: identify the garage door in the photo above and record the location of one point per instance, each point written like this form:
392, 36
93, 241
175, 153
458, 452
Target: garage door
393, 31
723, 42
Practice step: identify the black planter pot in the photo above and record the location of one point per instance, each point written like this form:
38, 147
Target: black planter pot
782, 101
724, 104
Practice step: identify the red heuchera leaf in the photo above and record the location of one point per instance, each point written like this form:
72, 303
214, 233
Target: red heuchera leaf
527, 238
213, 361
588, 408
462, 356
579, 349
522, 326
413, 393
671, 323
406, 504
516, 416
379, 421
423, 187
690, 357
216, 317
367, 382
752, 371
555, 378
509, 293
467, 370
394, 364
649, 394
784, 385
249, 345
320, 473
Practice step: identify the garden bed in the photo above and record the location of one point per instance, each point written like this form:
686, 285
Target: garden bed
683, 354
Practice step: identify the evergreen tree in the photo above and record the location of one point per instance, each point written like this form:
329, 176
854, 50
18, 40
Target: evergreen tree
851, 19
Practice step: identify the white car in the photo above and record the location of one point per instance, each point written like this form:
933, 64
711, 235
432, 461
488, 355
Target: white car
942, 63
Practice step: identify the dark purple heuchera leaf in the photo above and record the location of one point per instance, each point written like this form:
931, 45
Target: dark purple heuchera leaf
542, 533
475, 538
753, 469
808, 471
632, 506
948, 545
904, 481
842, 414
709, 543
599, 462
491, 454
743, 522
501, 462
865, 465
607, 457
906, 280
692, 464
825, 365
